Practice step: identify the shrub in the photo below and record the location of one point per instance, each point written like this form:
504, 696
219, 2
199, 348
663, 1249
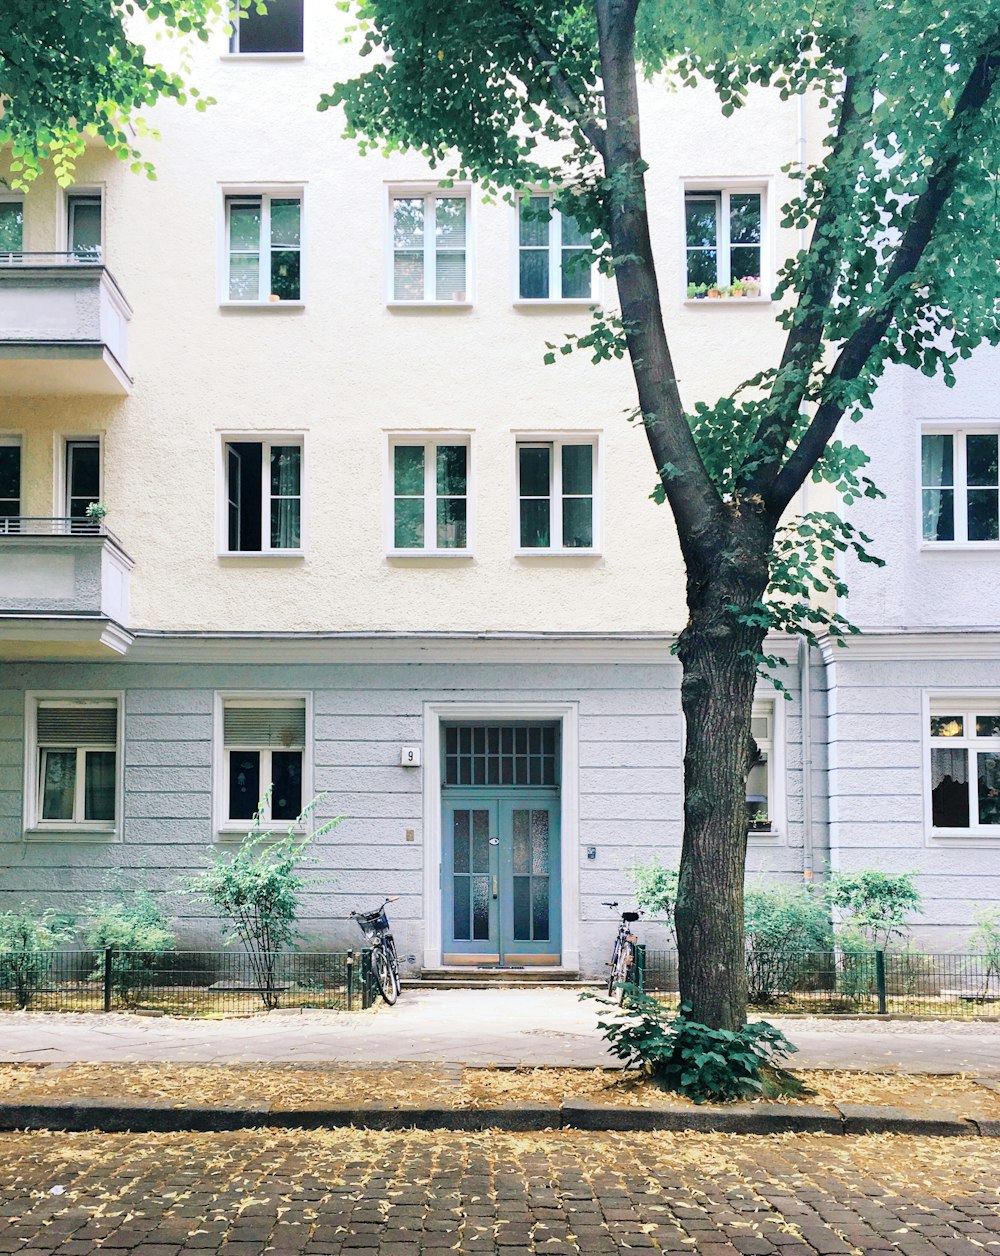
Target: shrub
256, 891
656, 891
26, 945
985, 941
703, 1064
784, 923
138, 934
875, 904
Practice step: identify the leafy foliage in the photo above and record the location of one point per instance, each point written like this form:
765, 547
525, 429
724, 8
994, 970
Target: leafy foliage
702, 1063
875, 906
26, 945
656, 890
75, 70
985, 939
784, 925
257, 892
138, 934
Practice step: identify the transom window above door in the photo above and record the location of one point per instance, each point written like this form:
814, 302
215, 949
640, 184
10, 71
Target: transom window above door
556, 483
960, 486
723, 236
430, 242
430, 496
964, 784
263, 502
501, 754
263, 248
555, 255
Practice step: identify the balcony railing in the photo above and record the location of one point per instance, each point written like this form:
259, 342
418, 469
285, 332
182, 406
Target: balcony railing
75, 257
43, 525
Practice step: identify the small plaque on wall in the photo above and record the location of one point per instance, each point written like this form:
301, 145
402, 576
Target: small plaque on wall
409, 756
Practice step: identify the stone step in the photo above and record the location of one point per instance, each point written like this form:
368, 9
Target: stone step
475, 978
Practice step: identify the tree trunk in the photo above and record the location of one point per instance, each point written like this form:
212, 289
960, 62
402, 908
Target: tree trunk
718, 656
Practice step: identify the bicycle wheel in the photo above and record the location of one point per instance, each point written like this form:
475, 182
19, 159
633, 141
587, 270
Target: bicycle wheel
390, 946
613, 968
384, 979
625, 971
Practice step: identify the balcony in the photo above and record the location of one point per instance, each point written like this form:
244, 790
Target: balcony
63, 327
63, 581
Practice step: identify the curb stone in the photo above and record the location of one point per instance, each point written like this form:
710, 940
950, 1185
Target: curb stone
158, 1116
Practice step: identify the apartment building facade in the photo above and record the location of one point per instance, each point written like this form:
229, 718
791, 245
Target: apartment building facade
362, 543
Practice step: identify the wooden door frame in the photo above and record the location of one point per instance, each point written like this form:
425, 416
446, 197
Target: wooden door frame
566, 714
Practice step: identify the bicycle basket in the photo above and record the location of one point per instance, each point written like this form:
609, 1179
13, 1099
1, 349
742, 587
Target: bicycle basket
373, 924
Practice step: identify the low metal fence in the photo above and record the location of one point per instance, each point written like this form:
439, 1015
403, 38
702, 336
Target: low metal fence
185, 983
876, 982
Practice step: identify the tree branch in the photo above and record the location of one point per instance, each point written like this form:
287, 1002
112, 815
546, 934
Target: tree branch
568, 98
926, 210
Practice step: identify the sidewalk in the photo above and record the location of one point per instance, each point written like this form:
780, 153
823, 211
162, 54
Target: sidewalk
474, 1027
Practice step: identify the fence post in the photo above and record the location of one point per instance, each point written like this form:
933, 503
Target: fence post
350, 980
880, 982
107, 978
366, 979
640, 967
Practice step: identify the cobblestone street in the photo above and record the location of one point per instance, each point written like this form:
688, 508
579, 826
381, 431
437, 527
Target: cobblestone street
376, 1194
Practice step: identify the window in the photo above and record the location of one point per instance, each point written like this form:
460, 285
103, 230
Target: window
555, 257
759, 790
723, 230
430, 495
555, 486
263, 749
965, 765
430, 247
263, 248
83, 217
279, 30
960, 486
77, 762
83, 482
11, 230
263, 495
10, 484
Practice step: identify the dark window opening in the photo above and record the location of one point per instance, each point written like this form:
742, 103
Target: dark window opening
277, 30
243, 491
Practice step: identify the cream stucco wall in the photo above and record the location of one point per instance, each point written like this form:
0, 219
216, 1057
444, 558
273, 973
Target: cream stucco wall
345, 369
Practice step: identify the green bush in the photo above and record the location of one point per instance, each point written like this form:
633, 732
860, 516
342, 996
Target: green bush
703, 1064
257, 890
875, 906
784, 924
26, 945
137, 932
984, 940
656, 891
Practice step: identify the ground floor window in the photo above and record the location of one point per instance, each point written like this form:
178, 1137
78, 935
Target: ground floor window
263, 750
77, 762
965, 764
760, 785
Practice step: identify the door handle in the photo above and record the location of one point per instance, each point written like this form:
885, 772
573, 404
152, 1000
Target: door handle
496, 886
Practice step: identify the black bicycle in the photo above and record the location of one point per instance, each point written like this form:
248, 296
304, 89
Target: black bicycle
385, 964
623, 966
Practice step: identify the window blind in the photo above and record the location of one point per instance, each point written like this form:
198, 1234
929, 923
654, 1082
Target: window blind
265, 726
77, 726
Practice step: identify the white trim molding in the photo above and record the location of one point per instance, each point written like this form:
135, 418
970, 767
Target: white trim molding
567, 713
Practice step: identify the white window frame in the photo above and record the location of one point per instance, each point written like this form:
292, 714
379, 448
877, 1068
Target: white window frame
233, 53
968, 704
227, 830
77, 192
958, 430
429, 192
556, 440
15, 440
774, 748
266, 192
722, 190
37, 829
555, 260
60, 454
429, 442
266, 440
13, 198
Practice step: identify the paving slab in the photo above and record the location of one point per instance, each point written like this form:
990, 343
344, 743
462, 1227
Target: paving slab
539, 1027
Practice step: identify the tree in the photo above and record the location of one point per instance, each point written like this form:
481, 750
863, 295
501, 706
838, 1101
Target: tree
73, 69
901, 267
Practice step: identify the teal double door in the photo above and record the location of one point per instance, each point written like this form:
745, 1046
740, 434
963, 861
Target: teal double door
500, 874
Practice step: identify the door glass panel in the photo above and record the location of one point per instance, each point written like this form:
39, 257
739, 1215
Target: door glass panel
522, 845
461, 840
531, 867
540, 908
540, 843
83, 477
481, 877
481, 909
480, 841
522, 909
463, 907
501, 755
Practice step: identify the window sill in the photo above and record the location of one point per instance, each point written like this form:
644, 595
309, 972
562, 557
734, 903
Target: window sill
465, 554
70, 833
262, 305
990, 834
428, 305
769, 834
699, 301
557, 553
262, 56
535, 303
960, 547
239, 833
268, 555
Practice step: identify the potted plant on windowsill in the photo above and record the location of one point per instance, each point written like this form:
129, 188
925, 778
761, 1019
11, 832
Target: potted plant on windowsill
751, 286
714, 293
736, 289
97, 512
759, 823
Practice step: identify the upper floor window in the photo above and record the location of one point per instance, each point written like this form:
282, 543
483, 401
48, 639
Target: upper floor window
724, 239
430, 248
263, 750
960, 483
555, 256
263, 495
11, 228
276, 30
965, 764
83, 482
75, 763
83, 225
430, 495
556, 495
10, 483
263, 248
